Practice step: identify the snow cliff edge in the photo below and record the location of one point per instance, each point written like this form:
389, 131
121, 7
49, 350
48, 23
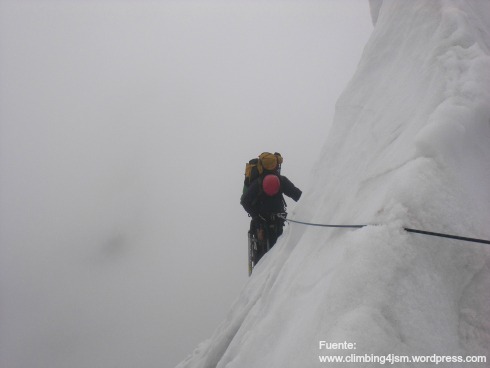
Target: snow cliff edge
408, 148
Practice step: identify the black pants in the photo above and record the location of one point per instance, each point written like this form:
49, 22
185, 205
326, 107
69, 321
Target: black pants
267, 232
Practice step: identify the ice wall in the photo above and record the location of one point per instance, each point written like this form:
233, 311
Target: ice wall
408, 148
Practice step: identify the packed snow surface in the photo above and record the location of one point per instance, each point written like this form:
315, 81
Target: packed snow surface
409, 147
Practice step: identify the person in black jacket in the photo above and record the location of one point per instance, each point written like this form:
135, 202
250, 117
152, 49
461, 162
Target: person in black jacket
264, 199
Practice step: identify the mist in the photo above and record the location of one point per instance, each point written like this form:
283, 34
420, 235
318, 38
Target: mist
124, 131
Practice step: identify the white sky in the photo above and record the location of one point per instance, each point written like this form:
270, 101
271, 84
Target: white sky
124, 131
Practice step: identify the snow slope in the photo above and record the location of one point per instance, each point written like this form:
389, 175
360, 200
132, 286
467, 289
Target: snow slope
409, 147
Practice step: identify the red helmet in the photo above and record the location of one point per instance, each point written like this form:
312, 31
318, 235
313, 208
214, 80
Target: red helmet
271, 185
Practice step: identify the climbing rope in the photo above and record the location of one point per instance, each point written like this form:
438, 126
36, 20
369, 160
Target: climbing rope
283, 216
463, 238
430, 233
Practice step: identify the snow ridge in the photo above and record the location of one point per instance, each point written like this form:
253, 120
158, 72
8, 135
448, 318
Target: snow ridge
408, 148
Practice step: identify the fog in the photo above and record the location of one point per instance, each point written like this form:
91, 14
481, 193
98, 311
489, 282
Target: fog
124, 131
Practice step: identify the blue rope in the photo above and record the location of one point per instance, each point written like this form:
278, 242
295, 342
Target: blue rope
323, 225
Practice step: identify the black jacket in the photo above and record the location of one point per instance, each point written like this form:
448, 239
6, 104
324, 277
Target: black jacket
256, 202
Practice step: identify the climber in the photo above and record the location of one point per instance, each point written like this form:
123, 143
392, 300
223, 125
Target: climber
263, 200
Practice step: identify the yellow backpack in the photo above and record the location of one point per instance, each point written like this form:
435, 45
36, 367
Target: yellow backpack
266, 163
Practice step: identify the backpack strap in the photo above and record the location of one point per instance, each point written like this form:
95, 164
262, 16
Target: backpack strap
259, 194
